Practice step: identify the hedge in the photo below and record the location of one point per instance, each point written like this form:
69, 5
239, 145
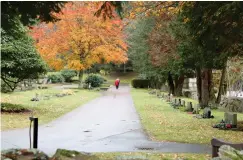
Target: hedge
140, 83
13, 108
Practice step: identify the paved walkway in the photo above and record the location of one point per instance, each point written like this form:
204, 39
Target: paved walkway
107, 124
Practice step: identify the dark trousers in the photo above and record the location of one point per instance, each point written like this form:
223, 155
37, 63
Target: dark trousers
117, 86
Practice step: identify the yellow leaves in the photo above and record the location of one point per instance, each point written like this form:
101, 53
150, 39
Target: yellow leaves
185, 20
75, 64
132, 15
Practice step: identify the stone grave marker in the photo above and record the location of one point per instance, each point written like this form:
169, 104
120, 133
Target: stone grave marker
171, 97
189, 107
207, 112
179, 102
196, 109
174, 101
183, 103
158, 94
167, 98
231, 118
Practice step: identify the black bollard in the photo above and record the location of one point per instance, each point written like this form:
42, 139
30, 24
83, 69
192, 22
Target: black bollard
35, 133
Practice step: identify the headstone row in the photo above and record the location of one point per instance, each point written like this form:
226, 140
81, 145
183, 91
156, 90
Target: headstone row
188, 106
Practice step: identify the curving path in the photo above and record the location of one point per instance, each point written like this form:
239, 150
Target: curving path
107, 124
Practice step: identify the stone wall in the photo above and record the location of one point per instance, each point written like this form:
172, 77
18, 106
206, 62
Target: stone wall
190, 83
232, 104
190, 88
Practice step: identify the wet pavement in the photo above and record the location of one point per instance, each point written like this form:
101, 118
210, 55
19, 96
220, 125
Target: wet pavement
109, 123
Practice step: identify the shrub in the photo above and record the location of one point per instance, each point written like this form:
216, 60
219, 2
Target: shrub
13, 108
103, 79
142, 76
94, 80
56, 78
140, 83
68, 74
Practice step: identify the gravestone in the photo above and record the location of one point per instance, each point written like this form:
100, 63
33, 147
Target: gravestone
35, 98
207, 112
189, 107
231, 118
179, 102
174, 101
152, 91
158, 94
171, 97
196, 109
183, 103
167, 97
45, 80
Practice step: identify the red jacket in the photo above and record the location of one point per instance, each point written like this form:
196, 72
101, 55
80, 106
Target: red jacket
117, 82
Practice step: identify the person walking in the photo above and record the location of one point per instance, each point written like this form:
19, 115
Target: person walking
117, 82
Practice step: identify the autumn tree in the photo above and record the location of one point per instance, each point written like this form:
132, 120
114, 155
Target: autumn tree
161, 52
80, 39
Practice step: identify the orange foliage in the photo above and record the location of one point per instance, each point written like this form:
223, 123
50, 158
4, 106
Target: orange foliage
80, 39
142, 9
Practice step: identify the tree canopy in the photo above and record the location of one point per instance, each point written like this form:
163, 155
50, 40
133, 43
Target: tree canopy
28, 12
19, 58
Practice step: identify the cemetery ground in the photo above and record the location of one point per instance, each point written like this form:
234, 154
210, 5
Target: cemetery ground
54, 107
47, 109
164, 123
152, 156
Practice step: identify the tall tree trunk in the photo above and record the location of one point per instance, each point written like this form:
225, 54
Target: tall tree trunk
199, 85
179, 85
171, 84
221, 85
212, 97
80, 78
206, 86
124, 68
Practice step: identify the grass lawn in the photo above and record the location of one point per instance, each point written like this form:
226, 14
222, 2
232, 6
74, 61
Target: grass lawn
151, 156
163, 123
45, 110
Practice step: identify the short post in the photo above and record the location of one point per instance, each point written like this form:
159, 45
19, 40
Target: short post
35, 133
